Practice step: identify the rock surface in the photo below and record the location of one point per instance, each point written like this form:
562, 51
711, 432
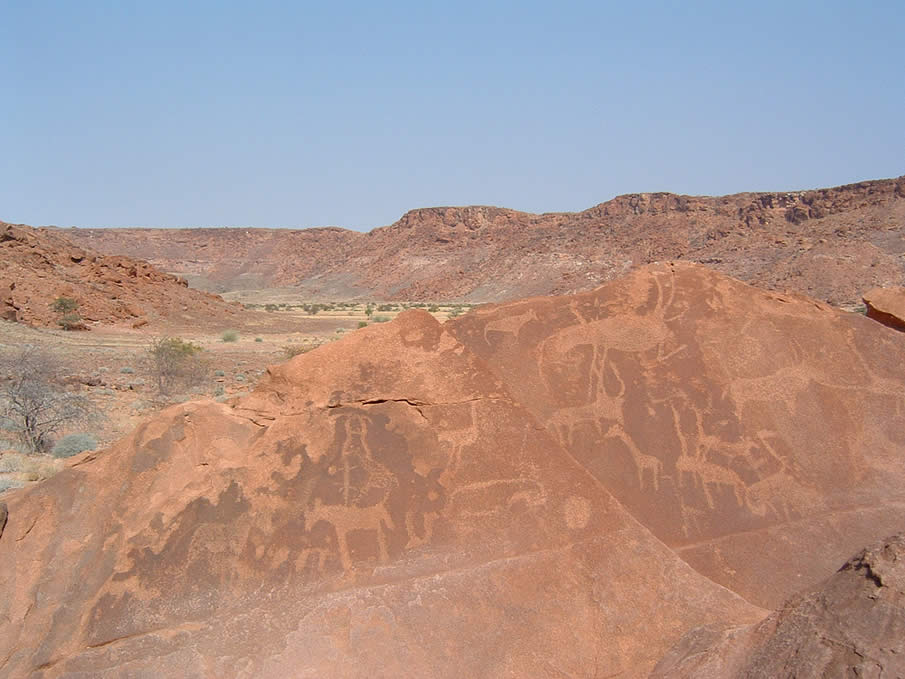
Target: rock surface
851, 625
37, 266
831, 244
887, 305
561, 486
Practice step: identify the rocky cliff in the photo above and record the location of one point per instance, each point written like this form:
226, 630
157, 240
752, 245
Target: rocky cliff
831, 244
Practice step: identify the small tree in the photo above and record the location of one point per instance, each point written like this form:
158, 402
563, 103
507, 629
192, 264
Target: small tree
64, 305
69, 318
34, 405
174, 362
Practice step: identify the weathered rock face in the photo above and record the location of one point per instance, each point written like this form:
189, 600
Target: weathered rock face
37, 266
851, 625
730, 421
887, 305
831, 244
410, 501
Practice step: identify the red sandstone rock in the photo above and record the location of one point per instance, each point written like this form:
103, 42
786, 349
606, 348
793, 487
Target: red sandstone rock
887, 305
851, 625
108, 289
566, 485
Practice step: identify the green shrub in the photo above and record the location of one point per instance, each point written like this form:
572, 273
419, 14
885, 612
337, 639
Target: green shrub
292, 350
219, 373
229, 336
240, 378
381, 319
258, 339
386, 307
433, 308
71, 322
73, 445
69, 319
362, 324
126, 370
174, 362
64, 305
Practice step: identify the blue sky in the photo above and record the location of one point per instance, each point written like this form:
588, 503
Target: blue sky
295, 114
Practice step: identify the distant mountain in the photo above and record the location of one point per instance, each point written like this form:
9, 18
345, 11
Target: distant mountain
832, 244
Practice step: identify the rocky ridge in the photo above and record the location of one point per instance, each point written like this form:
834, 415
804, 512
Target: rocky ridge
832, 244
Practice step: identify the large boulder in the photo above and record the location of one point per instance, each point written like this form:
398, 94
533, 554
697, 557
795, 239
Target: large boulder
760, 436
561, 486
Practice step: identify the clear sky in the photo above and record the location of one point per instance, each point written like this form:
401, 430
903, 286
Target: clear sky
219, 113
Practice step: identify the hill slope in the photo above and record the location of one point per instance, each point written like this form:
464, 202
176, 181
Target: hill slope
832, 244
562, 486
38, 265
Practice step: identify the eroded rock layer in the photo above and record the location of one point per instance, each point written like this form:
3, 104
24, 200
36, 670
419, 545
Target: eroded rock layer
831, 244
563, 486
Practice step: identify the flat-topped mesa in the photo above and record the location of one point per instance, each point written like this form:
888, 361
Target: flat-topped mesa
792, 206
470, 217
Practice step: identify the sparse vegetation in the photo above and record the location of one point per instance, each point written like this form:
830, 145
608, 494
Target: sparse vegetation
381, 319
229, 336
10, 484
69, 318
362, 324
34, 404
73, 444
64, 305
175, 363
292, 350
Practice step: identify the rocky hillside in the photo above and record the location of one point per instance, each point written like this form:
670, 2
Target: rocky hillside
38, 266
832, 244
562, 486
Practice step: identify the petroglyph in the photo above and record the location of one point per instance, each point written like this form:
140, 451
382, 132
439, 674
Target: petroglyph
464, 499
577, 512
348, 518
